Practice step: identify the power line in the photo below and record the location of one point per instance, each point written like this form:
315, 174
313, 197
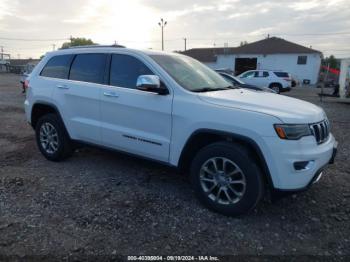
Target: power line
313, 34
178, 39
335, 50
33, 40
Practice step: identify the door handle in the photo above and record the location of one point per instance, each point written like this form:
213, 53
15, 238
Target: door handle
110, 94
62, 86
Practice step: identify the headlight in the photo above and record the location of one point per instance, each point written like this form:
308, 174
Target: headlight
292, 132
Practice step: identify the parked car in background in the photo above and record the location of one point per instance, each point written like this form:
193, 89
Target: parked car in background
225, 70
24, 76
22, 80
239, 83
278, 81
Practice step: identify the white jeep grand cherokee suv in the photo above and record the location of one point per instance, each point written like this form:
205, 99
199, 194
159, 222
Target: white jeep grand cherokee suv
233, 142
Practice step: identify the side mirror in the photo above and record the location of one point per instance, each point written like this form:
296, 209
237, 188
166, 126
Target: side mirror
150, 83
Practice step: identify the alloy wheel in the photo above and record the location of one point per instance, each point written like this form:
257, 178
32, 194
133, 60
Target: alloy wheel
222, 180
49, 138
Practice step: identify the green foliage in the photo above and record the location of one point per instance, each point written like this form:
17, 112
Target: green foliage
77, 41
332, 61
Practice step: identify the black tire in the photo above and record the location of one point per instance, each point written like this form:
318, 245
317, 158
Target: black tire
64, 148
276, 87
254, 184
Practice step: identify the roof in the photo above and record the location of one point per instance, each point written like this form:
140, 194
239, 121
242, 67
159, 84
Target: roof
108, 49
272, 45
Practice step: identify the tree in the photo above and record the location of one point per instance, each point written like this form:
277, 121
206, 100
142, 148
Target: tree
332, 61
243, 43
77, 41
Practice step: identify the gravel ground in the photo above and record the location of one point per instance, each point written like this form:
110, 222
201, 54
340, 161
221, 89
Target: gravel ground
100, 203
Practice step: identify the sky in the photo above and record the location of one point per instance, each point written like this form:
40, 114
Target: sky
322, 24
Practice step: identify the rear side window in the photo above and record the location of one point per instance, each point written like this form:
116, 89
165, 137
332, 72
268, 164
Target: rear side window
57, 67
281, 74
125, 70
88, 68
261, 74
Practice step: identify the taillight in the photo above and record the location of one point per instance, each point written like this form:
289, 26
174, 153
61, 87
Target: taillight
26, 84
287, 79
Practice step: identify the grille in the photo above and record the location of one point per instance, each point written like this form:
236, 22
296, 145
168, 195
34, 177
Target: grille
320, 131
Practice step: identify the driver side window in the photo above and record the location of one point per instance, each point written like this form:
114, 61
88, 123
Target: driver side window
125, 70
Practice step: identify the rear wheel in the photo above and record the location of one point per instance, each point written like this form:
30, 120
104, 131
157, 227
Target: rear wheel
226, 179
52, 138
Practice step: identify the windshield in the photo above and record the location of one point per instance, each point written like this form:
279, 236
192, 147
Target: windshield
190, 73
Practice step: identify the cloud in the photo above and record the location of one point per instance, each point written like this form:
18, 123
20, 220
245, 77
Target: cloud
203, 22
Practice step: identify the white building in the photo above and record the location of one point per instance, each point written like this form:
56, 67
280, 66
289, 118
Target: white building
270, 54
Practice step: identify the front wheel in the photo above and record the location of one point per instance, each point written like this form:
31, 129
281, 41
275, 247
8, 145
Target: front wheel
276, 87
226, 179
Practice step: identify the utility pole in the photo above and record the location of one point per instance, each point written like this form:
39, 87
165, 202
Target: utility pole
162, 24
2, 52
185, 39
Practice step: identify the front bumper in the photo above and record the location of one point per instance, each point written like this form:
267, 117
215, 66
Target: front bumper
286, 89
319, 173
283, 154
280, 193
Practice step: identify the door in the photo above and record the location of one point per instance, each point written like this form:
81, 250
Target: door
248, 77
79, 97
264, 78
245, 64
134, 121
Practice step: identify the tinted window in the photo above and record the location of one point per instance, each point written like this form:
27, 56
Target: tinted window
302, 60
88, 68
125, 70
281, 74
265, 74
57, 67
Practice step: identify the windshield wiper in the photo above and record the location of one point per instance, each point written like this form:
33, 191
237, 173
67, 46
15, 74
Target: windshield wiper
232, 87
209, 89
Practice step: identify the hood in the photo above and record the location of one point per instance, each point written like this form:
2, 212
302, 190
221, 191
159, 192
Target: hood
287, 109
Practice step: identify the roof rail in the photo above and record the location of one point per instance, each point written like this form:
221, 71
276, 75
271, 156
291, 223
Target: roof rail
96, 46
